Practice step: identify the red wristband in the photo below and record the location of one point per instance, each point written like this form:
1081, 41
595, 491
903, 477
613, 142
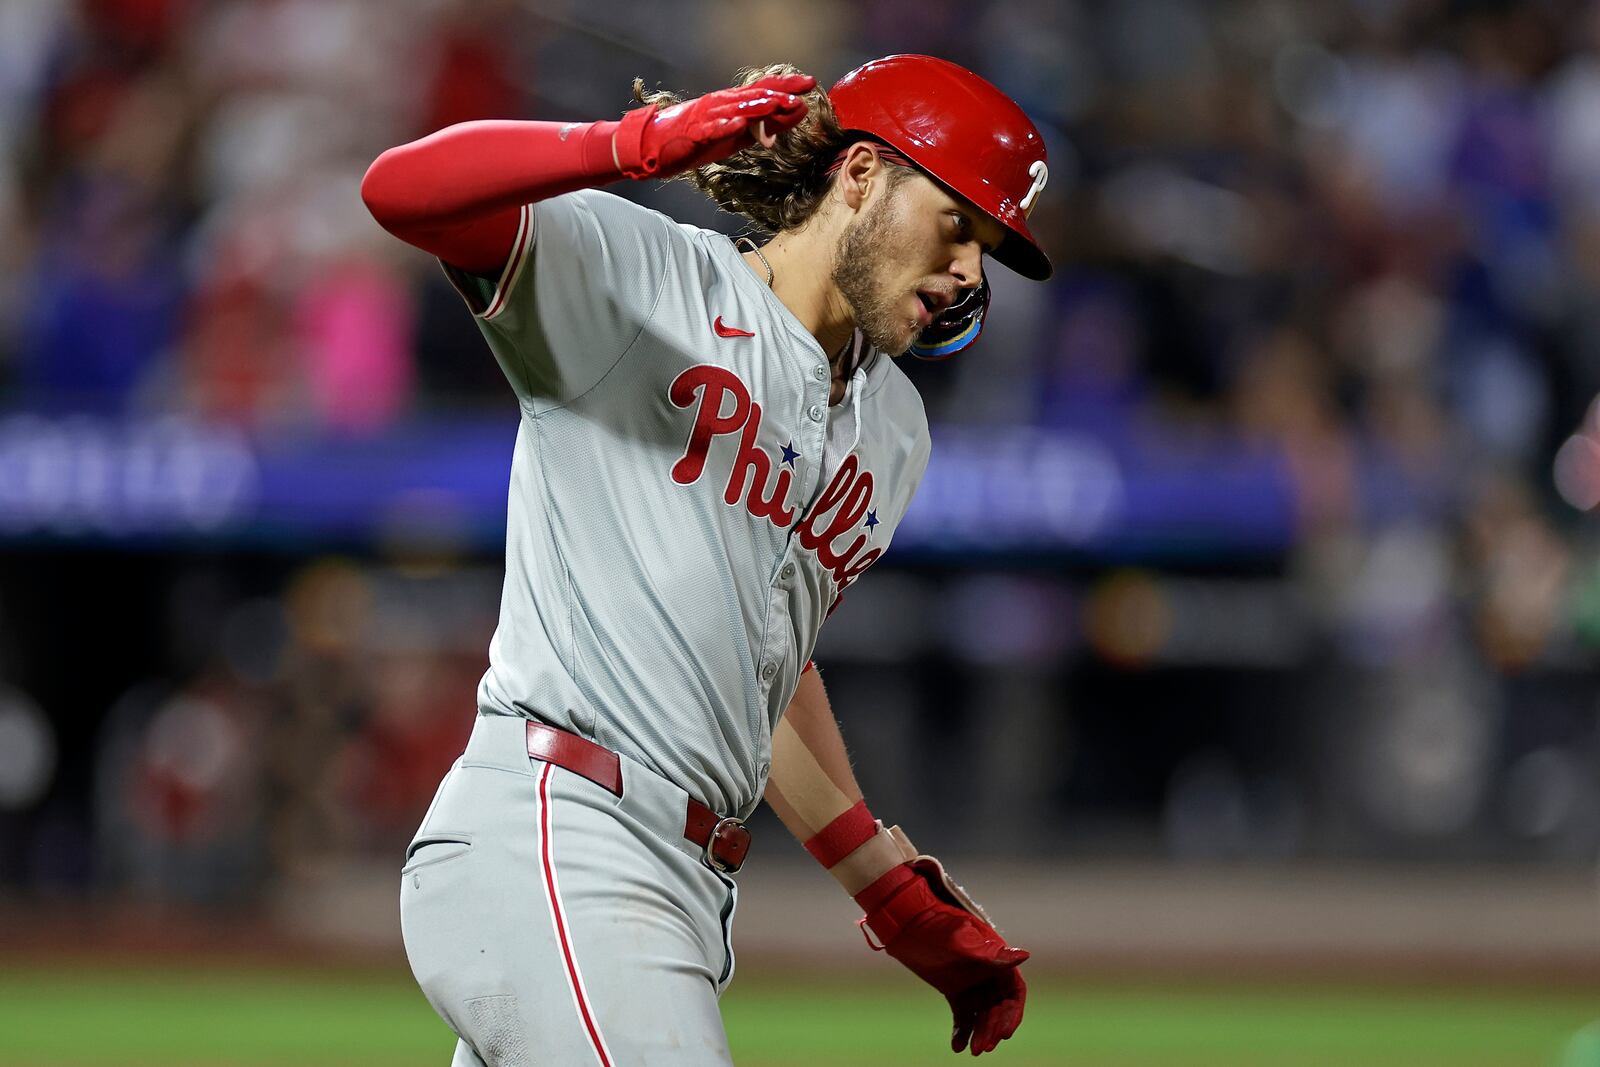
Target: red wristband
843, 835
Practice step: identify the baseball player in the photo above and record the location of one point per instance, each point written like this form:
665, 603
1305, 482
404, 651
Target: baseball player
714, 444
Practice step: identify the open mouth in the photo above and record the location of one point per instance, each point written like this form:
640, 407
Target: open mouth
929, 309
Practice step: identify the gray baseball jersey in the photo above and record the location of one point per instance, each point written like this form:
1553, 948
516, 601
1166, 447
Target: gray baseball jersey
685, 506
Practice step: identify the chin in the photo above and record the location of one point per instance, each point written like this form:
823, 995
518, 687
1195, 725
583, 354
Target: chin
900, 335
885, 325
901, 345
912, 333
891, 340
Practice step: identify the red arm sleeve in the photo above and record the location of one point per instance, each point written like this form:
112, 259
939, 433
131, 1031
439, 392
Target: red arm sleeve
456, 193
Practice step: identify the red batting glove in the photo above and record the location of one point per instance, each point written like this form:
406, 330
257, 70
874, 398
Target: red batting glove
921, 923
653, 143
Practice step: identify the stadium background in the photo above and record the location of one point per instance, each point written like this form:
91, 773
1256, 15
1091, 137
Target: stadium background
1240, 648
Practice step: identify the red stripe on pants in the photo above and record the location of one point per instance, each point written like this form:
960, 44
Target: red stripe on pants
573, 978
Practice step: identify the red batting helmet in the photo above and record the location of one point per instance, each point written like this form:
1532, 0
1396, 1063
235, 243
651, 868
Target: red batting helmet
963, 132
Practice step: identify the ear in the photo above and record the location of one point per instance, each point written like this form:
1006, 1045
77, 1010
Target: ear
861, 168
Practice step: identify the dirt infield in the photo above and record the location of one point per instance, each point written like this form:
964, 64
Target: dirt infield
1424, 925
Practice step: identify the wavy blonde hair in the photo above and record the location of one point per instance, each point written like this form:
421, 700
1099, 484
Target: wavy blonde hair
777, 188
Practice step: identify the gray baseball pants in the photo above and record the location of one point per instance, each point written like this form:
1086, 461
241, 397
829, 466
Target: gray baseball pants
550, 922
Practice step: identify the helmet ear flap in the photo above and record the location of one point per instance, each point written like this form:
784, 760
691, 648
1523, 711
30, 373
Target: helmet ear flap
956, 328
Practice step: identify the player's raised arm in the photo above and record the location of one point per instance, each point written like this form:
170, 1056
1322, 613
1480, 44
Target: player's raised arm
920, 917
456, 193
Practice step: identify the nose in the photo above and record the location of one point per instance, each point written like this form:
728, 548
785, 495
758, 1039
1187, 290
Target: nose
967, 267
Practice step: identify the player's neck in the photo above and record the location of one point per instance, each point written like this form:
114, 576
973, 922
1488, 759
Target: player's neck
808, 293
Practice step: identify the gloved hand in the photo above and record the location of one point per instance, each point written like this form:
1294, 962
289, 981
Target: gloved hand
652, 143
932, 927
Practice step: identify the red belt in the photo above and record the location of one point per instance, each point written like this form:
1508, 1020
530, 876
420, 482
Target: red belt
723, 842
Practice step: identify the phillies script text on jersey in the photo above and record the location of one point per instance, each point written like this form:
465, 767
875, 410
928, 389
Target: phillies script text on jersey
838, 510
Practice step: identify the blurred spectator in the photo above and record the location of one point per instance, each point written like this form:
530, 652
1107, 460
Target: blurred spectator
103, 303
476, 73
182, 802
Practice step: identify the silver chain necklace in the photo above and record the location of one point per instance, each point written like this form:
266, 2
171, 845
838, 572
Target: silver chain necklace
754, 248
738, 242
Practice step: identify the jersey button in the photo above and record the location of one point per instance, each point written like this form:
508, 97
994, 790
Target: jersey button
768, 671
787, 572
816, 412
820, 372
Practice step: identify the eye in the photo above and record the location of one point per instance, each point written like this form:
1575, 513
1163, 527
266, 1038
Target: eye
965, 230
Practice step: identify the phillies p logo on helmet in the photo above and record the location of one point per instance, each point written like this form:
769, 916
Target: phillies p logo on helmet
1040, 173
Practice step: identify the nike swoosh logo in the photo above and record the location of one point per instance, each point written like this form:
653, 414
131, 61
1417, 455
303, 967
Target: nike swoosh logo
724, 330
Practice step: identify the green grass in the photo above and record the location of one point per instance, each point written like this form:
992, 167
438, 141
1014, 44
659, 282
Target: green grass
1116, 1026
137, 1016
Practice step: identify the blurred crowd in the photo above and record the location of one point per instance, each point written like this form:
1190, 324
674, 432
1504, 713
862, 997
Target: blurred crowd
277, 722
1322, 224
1364, 235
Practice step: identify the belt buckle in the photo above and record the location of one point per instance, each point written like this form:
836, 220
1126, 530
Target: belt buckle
727, 825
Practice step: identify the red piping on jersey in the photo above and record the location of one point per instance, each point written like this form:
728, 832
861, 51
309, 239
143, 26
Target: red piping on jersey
508, 279
574, 980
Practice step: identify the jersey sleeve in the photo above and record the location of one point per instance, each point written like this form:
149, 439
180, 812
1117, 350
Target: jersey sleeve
582, 280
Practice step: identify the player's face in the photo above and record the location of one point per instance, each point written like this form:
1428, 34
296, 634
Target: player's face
911, 253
